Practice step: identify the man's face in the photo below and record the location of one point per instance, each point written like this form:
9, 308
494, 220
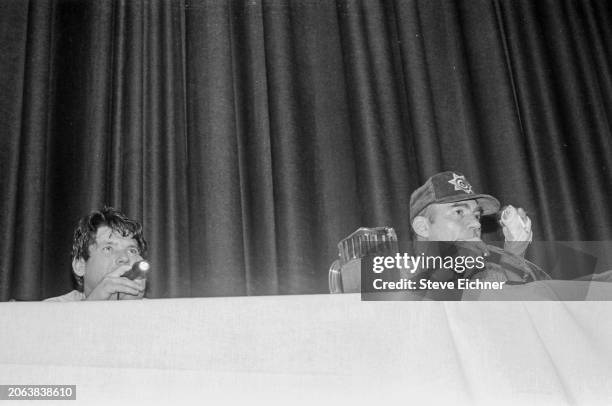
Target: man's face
109, 252
458, 221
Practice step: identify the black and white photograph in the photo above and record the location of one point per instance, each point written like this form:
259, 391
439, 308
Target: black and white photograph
306, 202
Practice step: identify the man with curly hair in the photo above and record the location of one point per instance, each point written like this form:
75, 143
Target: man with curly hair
106, 244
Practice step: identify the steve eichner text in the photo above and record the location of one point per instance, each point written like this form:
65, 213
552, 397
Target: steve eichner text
411, 263
462, 284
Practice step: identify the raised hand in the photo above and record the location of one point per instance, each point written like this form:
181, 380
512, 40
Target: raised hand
113, 283
516, 226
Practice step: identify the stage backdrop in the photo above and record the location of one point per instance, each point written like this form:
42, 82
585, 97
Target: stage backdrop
250, 136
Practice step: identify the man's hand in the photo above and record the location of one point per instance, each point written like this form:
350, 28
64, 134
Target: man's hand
126, 296
517, 230
113, 283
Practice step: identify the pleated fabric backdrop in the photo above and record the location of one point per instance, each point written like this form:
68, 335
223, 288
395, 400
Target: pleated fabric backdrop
250, 136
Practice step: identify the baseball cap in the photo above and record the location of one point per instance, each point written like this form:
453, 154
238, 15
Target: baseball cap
449, 187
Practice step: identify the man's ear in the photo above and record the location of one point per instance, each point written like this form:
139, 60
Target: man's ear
78, 266
420, 225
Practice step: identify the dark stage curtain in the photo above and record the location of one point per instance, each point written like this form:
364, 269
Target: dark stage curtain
250, 136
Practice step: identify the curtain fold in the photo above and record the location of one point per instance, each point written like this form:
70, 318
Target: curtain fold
249, 137
27, 153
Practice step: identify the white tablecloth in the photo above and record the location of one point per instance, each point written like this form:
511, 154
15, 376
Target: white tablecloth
311, 350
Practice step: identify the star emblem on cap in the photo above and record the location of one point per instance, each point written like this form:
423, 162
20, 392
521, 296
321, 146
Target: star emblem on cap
461, 183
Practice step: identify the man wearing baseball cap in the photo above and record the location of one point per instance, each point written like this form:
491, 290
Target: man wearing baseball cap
446, 208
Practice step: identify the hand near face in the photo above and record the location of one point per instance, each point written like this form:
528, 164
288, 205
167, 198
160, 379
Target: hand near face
126, 296
516, 226
114, 283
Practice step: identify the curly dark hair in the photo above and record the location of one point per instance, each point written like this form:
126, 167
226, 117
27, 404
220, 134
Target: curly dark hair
87, 228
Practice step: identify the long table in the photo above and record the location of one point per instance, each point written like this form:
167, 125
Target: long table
315, 348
